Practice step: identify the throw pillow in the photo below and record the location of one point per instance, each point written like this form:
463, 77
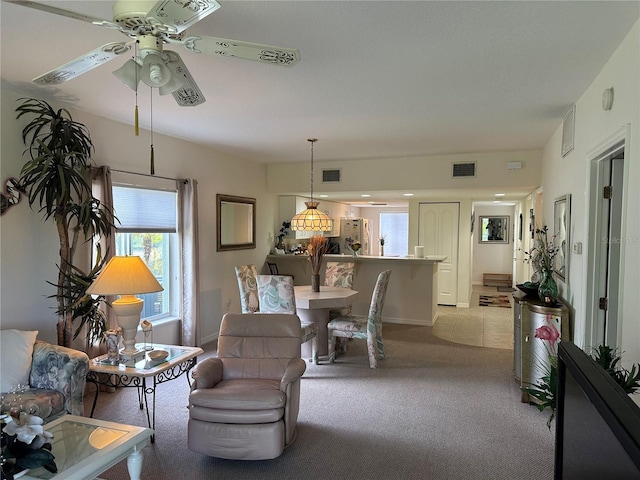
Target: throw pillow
16, 350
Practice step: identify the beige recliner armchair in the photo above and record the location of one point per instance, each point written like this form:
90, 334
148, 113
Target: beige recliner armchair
244, 403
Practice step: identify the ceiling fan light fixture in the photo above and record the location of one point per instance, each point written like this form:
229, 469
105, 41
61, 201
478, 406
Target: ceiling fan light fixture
129, 74
172, 85
154, 72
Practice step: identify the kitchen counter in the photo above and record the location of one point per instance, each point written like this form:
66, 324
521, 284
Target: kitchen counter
411, 295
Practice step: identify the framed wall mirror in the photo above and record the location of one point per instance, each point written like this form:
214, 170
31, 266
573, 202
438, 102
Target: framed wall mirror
494, 229
236, 222
561, 226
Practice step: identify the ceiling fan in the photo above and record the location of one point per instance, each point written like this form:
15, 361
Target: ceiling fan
151, 24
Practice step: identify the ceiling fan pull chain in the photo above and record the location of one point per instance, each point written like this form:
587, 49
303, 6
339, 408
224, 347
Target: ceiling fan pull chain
135, 124
152, 166
136, 128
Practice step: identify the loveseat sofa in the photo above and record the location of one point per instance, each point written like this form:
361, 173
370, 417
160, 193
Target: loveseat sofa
41, 378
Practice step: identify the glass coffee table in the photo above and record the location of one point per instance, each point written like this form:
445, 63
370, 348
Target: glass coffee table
85, 447
146, 375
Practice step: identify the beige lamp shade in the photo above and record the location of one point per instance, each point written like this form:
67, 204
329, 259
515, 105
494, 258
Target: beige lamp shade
124, 276
311, 219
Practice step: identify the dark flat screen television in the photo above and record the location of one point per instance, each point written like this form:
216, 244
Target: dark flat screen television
597, 423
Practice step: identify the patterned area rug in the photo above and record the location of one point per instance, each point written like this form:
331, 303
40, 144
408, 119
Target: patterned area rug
494, 301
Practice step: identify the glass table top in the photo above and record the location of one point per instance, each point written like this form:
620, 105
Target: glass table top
146, 362
74, 441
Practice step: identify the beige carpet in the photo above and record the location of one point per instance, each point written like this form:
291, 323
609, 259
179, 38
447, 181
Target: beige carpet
433, 410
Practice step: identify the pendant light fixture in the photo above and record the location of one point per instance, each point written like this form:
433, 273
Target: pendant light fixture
312, 219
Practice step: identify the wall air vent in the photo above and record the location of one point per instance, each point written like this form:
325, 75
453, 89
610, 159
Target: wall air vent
464, 170
329, 176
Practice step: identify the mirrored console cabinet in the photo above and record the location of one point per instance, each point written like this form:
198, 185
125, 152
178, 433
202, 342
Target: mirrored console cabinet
531, 352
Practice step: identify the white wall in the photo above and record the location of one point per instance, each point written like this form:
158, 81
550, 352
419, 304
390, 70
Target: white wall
491, 257
29, 246
571, 175
413, 173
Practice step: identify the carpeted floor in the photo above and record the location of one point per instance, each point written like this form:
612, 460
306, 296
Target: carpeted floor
494, 301
433, 410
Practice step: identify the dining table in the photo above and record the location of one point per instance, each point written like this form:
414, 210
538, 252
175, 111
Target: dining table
314, 307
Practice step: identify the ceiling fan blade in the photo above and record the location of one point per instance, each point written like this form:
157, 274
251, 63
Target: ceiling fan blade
224, 47
188, 95
65, 13
182, 13
84, 63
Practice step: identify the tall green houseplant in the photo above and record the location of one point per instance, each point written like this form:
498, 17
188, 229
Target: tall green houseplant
56, 179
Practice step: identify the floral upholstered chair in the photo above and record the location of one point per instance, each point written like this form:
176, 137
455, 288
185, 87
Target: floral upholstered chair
46, 380
276, 295
248, 285
367, 328
339, 274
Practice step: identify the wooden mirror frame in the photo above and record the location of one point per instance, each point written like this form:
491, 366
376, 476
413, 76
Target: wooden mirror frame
223, 223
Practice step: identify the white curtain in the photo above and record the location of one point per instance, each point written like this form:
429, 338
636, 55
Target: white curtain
188, 232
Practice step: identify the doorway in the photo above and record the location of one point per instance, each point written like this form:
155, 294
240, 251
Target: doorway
438, 228
605, 233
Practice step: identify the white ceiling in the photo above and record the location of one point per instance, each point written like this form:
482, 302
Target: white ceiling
376, 79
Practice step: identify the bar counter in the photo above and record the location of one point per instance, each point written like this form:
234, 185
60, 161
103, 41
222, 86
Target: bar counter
411, 294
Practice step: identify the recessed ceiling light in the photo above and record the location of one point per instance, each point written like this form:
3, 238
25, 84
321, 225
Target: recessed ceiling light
408, 194
499, 194
323, 196
365, 195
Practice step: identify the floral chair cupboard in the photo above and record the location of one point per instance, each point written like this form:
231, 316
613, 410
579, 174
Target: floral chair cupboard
367, 328
47, 380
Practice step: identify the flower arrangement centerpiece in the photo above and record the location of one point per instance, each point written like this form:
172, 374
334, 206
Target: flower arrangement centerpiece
541, 257
352, 245
316, 249
382, 238
284, 231
25, 444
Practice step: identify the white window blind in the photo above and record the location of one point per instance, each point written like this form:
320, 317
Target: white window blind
395, 228
143, 210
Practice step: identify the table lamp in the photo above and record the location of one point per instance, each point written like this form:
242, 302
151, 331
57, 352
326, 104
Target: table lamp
126, 276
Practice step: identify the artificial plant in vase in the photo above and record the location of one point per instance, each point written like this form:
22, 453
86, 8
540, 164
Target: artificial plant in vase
56, 179
546, 389
541, 256
316, 249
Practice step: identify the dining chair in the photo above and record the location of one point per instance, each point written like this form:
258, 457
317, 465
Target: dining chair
248, 285
276, 295
339, 274
273, 270
363, 327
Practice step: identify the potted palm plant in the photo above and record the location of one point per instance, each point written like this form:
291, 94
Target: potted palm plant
56, 179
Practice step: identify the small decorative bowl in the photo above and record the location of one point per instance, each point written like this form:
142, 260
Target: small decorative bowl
157, 355
530, 290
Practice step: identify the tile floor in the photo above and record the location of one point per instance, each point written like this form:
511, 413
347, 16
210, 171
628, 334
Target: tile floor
479, 326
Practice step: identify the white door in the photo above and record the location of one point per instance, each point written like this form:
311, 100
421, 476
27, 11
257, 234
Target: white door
438, 231
604, 242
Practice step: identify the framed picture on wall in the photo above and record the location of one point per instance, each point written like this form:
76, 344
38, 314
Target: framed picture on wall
561, 225
494, 229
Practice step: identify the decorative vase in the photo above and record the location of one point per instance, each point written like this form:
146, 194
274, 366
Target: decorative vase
382, 250
548, 288
315, 282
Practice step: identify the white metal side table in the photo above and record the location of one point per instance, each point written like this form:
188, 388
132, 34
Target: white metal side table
146, 375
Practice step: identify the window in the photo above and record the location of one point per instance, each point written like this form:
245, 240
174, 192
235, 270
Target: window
146, 227
394, 226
